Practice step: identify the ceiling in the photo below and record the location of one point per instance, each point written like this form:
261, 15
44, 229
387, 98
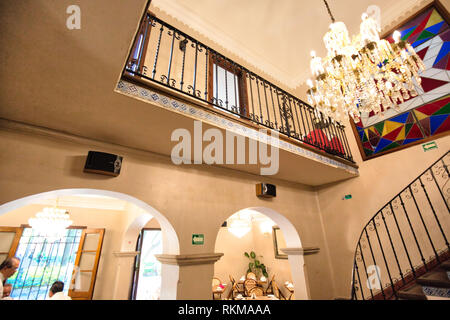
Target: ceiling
276, 37
85, 201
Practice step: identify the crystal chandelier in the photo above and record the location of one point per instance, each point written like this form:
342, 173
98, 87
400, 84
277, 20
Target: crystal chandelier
362, 75
51, 222
239, 226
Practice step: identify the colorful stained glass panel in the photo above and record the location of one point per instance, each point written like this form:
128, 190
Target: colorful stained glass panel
428, 113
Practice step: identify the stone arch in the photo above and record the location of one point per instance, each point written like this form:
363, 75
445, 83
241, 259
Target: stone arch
170, 238
293, 249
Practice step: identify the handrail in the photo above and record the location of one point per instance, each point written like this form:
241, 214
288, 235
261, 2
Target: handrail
193, 68
417, 213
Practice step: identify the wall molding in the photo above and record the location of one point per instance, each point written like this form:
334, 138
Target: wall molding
125, 254
300, 251
189, 259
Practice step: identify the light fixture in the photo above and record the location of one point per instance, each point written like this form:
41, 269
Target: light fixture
266, 226
239, 226
51, 222
367, 74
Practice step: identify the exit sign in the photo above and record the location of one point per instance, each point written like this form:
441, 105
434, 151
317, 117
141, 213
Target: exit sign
429, 146
198, 239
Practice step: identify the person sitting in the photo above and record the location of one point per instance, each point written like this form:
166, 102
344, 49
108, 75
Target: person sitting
56, 291
7, 291
7, 269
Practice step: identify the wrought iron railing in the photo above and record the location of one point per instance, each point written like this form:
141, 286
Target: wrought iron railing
166, 56
406, 238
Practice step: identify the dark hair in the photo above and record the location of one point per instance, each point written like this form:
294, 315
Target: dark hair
57, 286
8, 263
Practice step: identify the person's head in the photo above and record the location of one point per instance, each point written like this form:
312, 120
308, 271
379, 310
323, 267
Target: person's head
9, 266
57, 286
7, 290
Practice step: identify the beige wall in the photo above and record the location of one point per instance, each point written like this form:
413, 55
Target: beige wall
193, 199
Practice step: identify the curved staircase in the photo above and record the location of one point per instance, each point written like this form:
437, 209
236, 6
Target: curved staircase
433, 285
403, 252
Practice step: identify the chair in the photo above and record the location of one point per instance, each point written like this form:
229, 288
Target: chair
234, 288
258, 291
269, 288
215, 283
277, 291
249, 284
251, 275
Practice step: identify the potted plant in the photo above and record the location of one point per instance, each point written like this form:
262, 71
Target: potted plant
255, 265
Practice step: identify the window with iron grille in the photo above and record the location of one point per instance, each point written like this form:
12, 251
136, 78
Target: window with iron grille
43, 262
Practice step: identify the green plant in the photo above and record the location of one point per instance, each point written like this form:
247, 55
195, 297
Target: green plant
255, 265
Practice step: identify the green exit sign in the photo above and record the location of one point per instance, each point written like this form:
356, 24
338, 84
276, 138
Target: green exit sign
429, 146
198, 239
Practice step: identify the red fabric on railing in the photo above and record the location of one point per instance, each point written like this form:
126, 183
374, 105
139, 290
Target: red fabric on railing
337, 145
319, 139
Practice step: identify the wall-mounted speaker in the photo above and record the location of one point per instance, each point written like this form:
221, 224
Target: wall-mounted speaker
266, 190
103, 163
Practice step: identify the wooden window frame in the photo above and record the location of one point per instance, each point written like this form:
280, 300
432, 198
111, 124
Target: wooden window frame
241, 85
87, 295
15, 243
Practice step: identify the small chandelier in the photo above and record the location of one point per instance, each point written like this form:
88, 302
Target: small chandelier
363, 75
51, 222
239, 226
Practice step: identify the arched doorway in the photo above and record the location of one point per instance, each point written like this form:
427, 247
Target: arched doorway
122, 250
286, 265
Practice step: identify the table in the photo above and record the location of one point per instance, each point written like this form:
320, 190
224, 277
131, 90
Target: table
261, 298
217, 290
291, 291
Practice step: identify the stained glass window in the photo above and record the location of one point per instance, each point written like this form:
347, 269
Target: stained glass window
423, 116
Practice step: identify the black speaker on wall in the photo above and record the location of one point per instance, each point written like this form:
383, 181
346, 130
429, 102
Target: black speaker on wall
103, 163
266, 190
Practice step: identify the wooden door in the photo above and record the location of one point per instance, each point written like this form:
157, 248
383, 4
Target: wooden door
86, 264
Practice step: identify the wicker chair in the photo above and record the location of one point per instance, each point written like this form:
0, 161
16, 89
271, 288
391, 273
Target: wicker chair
258, 291
269, 288
215, 283
234, 288
248, 285
277, 292
251, 275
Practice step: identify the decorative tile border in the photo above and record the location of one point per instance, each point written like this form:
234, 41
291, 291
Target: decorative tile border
147, 95
436, 292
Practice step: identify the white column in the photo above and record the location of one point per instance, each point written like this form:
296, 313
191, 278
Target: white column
187, 277
124, 273
298, 270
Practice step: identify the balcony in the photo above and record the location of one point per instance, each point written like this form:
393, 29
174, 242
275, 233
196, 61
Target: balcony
168, 68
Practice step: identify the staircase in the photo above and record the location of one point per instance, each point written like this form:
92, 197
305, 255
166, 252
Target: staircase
403, 252
434, 285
